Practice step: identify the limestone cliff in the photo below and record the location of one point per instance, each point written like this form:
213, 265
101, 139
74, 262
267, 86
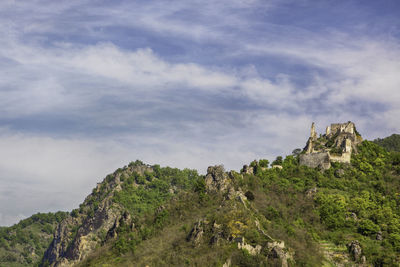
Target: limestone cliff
93, 223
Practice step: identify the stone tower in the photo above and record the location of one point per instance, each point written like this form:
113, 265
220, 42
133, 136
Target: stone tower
328, 130
313, 135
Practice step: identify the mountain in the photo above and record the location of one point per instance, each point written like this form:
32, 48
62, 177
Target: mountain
287, 214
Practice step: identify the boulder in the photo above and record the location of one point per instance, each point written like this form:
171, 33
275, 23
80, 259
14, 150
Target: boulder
311, 192
355, 250
339, 173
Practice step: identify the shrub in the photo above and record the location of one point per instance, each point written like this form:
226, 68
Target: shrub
249, 195
263, 163
367, 227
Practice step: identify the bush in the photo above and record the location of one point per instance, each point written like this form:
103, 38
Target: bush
249, 195
277, 161
394, 239
263, 163
367, 227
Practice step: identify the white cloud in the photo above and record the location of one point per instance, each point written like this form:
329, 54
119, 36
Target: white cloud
68, 76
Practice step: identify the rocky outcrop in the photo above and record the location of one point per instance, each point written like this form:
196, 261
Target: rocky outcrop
216, 179
278, 251
196, 234
310, 193
97, 221
227, 263
243, 245
75, 238
124, 220
355, 250
339, 173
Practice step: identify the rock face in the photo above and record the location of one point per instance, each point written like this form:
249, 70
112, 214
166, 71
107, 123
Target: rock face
336, 145
216, 179
67, 248
79, 234
196, 234
243, 245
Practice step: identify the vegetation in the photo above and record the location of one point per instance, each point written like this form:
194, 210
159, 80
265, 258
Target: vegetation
316, 213
24, 244
361, 204
391, 143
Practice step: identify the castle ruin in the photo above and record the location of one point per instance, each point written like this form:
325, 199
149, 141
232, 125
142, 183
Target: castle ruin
336, 145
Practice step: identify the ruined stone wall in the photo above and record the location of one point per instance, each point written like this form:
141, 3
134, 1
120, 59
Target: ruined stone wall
344, 158
347, 127
315, 160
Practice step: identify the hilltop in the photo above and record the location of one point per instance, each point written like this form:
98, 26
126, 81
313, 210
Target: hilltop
291, 214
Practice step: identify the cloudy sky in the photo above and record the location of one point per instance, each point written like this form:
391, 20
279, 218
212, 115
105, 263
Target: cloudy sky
88, 86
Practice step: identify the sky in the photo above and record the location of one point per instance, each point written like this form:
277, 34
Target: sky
88, 86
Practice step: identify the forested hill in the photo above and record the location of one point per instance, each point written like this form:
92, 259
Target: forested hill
390, 143
286, 215
24, 243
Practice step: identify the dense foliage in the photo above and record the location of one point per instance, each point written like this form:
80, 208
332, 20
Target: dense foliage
23, 244
360, 202
390, 143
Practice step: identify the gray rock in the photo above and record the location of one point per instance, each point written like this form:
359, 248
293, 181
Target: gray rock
363, 260
217, 234
355, 250
78, 235
379, 236
311, 192
216, 179
196, 234
277, 250
339, 173
243, 245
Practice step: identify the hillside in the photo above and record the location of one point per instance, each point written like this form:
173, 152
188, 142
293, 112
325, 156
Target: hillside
24, 244
390, 143
285, 215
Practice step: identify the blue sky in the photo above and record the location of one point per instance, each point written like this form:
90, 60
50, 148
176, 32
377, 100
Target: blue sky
88, 86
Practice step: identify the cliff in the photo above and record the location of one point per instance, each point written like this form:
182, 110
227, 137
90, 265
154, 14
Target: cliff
95, 222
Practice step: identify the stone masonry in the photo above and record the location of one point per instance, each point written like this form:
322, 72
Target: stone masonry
336, 145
